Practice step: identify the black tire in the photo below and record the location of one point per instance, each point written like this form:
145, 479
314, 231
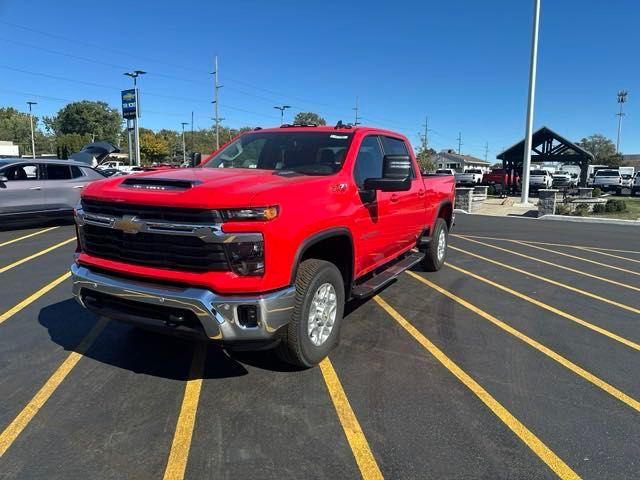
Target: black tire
296, 347
431, 262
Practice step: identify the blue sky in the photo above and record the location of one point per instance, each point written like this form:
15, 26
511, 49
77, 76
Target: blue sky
464, 63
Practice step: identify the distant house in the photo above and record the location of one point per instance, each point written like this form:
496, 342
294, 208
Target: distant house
460, 163
9, 149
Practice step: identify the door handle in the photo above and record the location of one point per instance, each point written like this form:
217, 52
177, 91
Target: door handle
35, 188
78, 186
394, 197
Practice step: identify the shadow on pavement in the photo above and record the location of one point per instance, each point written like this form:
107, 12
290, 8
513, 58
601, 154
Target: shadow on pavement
132, 349
33, 223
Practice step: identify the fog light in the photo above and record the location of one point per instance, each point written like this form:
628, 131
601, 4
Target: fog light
248, 316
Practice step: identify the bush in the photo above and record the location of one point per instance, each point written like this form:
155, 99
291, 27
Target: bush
562, 209
581, 210
599, 208
597, 192
491, 190
615, 205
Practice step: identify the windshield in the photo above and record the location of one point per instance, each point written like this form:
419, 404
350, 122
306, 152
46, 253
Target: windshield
474, 170
607, 173
446, 171
538, 172
311, 153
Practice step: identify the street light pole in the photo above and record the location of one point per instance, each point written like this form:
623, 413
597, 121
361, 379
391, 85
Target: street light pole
33, 141
216, 88
135, 74
184, 146
526, 162
282, 108
622, 97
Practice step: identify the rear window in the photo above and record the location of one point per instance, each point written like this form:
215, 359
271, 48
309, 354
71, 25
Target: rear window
607, 173
446, 171
538, 172
58, 172
474, 170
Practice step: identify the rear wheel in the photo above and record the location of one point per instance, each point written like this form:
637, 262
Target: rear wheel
317, 315
436, 252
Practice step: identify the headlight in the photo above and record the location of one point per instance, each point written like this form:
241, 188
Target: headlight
258, 213
246, 258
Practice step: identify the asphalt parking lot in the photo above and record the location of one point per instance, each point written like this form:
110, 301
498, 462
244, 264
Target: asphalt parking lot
517, 360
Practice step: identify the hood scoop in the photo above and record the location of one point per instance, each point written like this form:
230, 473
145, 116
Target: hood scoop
143, 183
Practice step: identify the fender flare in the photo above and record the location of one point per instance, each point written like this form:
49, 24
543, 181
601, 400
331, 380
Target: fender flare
316, 238
443, 204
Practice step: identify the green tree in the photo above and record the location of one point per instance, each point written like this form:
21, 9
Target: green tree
425, 158
15, 127
87, 118
308, 118
153, 148
69, 143
602, 148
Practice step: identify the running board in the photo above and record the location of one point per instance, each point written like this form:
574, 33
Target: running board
378, 281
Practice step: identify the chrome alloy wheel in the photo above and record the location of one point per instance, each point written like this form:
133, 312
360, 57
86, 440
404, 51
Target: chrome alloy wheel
322, 314
442, 245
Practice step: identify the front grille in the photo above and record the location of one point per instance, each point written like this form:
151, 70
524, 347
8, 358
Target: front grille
150, 212
182, 252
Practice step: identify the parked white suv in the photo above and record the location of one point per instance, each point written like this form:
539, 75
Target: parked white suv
540, 179
608, 180
635, 188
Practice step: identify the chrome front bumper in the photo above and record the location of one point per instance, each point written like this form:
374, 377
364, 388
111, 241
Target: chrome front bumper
217, 314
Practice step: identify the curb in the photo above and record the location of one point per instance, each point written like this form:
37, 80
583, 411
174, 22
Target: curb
611, 221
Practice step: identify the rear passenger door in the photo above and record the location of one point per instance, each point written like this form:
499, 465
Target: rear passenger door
62, 185
409, 216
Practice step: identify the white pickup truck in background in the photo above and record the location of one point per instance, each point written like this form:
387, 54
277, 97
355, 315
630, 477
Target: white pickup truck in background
540, 179
608, 180
472, 176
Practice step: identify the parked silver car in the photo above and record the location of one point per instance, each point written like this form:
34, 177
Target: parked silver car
32, 190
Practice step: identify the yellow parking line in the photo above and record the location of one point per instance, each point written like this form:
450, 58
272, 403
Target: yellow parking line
548, 280
355, 436
555, 244
557, 311
562, 267
518, 428
179, 454
9, 435
598, 382
33, 297
9, 242
626, 259
35, 255
606, 265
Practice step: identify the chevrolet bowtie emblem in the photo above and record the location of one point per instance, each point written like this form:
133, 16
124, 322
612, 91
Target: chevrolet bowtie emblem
128, 224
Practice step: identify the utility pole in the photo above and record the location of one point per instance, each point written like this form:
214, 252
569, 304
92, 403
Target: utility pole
425, 140
282, 108
459, 143
486, 151
33, 140
356, 108
526, 161
216, 87
622, 97
192, 142
184, 146
135, 74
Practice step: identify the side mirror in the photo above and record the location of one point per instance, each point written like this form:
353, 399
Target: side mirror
196, 158
3, 179
396, 175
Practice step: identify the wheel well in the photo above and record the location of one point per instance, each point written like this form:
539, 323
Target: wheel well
446, 212
336, 249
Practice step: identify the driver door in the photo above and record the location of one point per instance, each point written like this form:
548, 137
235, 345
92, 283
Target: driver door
22, 192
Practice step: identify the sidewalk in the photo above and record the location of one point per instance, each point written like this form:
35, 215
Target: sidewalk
509, 206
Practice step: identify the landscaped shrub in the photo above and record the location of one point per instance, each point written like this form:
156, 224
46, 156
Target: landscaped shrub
581, 210
615, 205
562, 209
491, 190
599, 208
597, 192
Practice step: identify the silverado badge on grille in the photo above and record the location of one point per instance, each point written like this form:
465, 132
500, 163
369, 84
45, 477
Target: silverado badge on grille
128, 224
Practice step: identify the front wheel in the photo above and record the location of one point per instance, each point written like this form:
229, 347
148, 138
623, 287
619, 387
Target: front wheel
436, 252
317, 315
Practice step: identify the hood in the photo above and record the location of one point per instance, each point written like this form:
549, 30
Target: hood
195, 187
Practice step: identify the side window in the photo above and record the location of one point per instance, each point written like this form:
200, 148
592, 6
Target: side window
76, 172
21, 172
395, 146
369, 161
58, 172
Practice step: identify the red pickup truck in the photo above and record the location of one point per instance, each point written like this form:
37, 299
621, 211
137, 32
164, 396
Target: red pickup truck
262, 244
